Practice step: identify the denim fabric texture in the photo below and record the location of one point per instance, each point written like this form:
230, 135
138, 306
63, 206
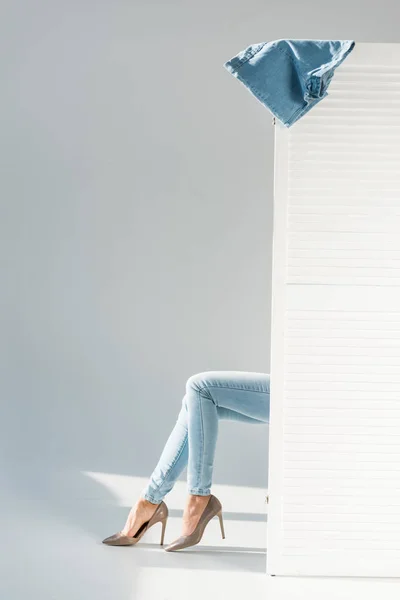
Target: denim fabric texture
209, 397
289, 77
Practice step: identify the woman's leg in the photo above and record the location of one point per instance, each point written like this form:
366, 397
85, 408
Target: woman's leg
172, 461
214, 395
209, 397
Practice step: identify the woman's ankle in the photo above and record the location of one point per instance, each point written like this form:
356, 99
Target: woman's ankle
197, 499
144, 503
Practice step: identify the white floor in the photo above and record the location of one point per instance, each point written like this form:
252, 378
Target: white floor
47, 554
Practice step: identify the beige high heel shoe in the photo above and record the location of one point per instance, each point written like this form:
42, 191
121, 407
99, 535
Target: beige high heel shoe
213, 509
160, 516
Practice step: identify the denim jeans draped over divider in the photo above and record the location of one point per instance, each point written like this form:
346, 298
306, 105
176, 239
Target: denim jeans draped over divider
289, 76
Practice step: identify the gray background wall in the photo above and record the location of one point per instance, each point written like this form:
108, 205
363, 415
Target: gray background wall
136, 206
136, 223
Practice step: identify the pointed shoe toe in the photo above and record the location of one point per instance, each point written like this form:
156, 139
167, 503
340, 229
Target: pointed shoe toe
160, 516
177, 544
117, 540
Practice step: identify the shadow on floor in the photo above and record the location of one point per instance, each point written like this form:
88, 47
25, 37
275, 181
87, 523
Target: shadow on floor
67, 515
208, 558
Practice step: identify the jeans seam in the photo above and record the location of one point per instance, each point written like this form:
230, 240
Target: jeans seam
178, 455
200, 470
230, 387
252, 54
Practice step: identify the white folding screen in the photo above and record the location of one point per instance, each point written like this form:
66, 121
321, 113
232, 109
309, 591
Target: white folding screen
334, 477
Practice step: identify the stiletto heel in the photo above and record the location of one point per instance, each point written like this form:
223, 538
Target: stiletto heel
164, 524
212, 509
160, 516
221, 524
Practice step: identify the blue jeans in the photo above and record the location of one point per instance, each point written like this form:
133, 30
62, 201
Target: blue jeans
210, 396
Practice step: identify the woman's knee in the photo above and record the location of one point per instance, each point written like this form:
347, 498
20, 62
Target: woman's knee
198, 389
196, 383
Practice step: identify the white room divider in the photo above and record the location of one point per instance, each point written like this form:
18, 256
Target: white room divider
334, 489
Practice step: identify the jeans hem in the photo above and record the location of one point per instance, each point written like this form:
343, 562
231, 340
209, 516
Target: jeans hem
199, 492
151, 499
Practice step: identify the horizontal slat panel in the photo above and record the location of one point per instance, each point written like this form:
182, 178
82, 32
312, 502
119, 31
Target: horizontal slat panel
340, 455
326, 493
344, 544
318, 437
339, 427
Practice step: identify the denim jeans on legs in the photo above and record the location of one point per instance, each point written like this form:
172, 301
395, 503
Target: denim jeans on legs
210, 396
